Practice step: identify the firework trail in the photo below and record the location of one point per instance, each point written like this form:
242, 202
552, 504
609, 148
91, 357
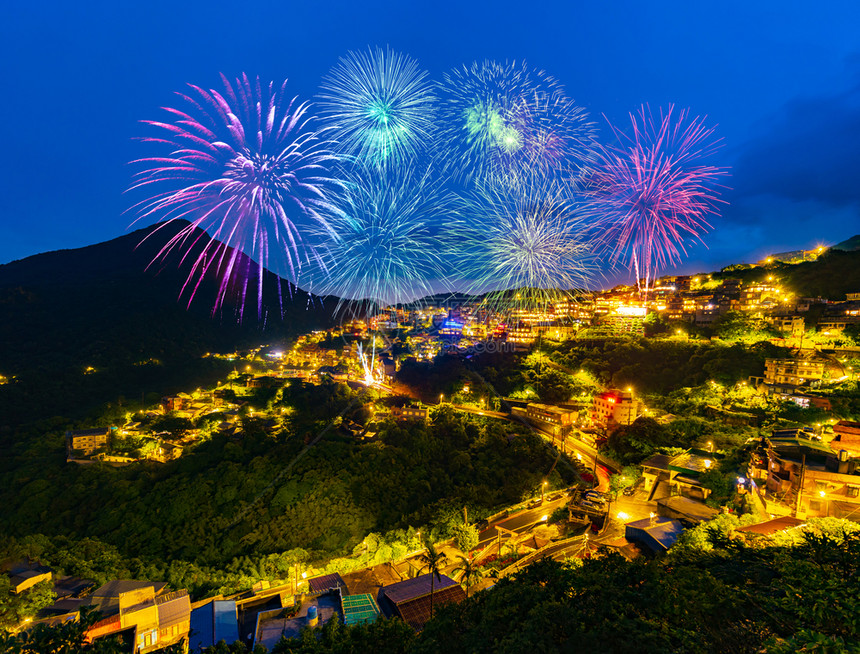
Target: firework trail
244, 165
531, 243
654, 191
390, 239
380, 106
501, 118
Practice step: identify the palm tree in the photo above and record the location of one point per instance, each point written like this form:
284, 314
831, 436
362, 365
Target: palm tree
432, 562
471, 573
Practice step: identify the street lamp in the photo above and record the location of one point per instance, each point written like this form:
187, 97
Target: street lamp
441, 397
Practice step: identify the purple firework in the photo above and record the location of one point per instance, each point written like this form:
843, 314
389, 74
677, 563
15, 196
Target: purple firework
245, 166
654, 191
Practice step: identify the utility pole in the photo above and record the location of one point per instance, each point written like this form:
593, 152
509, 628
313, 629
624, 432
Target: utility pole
800, 488
465, 515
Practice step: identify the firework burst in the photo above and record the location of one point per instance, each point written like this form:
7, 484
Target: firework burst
498, 119
391, 238
379, 105
531, 242
654, 191
245, 166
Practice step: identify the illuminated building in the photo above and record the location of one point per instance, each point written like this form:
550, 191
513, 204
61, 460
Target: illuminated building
841, 315
87, 441
521, 335
806, 478
558, 420
409, 413
451, 327
793, 372
614, 407
626, 320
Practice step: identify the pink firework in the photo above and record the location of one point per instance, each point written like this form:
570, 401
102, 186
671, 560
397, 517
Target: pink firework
247, 171
654, 191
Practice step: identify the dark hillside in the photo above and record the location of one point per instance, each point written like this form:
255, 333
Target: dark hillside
831, 276
99, 306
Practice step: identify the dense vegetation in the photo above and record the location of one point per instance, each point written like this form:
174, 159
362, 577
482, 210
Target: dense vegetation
232, 503
831, 276
716, 593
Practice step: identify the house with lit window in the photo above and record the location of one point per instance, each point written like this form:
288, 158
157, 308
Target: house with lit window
805, 478
793, 372
143, 612
86, 442
613, 408
409, 413
555, 419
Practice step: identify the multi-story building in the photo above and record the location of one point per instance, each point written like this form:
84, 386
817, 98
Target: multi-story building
793, 372
806, 478
521, 335
846, 436
154, 618
839, 316
86, 442
556, 419
666, 476
757, 297
789, 324
409, 413
626, 320
614, 407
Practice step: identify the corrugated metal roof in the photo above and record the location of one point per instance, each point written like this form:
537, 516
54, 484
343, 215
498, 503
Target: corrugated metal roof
326, 582
117, 586
359, 608
416, 612
173, 608
411, 589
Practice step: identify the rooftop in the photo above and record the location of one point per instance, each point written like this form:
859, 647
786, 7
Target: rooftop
411, 589
359, 608
658, 534
416, 612
326, 582
769, 527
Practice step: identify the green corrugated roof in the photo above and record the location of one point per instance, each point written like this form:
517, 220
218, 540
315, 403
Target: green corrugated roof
359, 608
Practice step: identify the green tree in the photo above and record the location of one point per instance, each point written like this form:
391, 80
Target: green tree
470, 573
432, 561
466, 536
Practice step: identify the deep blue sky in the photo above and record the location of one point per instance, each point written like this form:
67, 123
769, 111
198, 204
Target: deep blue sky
780, 78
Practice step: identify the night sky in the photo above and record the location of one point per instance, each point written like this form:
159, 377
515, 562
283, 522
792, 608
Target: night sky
781, 79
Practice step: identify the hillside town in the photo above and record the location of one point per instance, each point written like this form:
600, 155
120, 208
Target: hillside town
787, 476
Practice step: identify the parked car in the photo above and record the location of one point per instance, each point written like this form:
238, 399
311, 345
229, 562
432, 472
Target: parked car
594, 495
629, 491
589, 504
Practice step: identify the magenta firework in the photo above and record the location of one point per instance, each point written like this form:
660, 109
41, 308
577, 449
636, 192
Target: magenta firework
245, 167
655, 191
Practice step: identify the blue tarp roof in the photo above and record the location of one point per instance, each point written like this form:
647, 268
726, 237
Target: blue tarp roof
214, 622
658, 534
